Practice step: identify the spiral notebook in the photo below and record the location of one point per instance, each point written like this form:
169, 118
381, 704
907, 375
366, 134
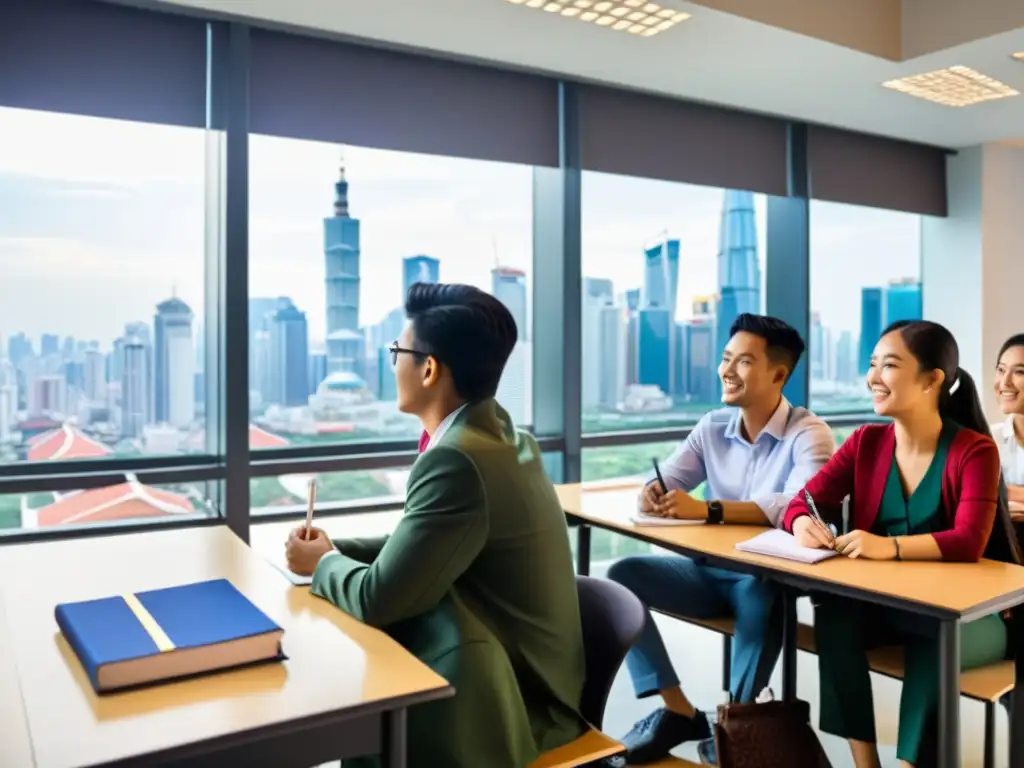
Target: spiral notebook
778, 543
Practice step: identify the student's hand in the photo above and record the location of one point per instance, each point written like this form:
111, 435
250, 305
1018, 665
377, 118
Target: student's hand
866, 545
809, 534
304, 549
681, 505
649, 498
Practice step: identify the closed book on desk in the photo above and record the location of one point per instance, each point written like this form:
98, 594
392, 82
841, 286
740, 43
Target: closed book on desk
147, 637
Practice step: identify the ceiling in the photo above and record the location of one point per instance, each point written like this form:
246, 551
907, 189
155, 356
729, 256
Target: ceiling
714, 57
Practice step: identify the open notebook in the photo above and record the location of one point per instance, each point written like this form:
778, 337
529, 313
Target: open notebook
639, 518
777, 543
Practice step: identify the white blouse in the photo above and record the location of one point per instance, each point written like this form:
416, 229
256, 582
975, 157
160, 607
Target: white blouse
1011, 453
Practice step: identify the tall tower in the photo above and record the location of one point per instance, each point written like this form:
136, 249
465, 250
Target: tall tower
661, 274
739, 270
341, 282
175, 363
419, 269
508, 286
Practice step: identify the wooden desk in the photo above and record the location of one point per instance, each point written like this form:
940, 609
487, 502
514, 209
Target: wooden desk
15, 742
948, 592
342, 692
934, 589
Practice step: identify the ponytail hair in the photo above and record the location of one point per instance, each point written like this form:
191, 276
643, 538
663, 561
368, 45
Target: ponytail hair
936, 350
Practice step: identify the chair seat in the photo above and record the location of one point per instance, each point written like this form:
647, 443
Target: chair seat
590, 747
982, 684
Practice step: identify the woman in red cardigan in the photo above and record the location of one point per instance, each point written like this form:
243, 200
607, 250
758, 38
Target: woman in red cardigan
925, 487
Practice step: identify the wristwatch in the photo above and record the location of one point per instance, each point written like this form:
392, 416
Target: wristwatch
715, 512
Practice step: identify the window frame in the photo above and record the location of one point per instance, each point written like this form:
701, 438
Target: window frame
557, 303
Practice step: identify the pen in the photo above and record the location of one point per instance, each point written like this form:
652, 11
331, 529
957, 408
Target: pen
657, 474
310, 502
817, 518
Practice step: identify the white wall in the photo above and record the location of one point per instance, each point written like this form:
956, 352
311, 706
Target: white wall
973, 260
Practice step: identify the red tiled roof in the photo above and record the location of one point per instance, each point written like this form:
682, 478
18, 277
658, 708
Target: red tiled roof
65, 442
260, 438
126, 501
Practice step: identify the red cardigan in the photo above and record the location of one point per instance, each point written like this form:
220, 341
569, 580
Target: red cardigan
860, 468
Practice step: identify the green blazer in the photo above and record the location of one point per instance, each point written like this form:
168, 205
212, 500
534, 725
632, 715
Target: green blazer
477, 581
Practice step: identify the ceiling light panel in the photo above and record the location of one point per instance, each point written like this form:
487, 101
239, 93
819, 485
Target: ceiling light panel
635, 17
953, 87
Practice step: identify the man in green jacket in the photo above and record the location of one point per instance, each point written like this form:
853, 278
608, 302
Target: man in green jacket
477, 579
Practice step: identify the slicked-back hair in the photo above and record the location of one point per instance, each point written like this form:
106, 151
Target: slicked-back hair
467, 330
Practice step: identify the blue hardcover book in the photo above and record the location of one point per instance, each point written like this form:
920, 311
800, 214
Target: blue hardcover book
148, 637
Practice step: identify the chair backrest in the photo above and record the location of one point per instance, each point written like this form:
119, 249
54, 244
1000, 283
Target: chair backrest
612, 618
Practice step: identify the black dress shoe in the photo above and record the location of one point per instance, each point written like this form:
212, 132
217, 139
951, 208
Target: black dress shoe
661, 731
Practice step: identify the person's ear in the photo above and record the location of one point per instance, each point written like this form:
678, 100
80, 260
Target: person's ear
779, 374
431, 371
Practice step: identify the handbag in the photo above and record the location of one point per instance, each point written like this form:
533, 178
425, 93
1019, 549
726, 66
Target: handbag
768, 734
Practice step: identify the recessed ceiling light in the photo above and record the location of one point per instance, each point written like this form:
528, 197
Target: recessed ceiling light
637, 17
1019, 55
952, 87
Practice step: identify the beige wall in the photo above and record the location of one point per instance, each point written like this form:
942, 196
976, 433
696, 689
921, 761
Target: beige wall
934, 25
973, 261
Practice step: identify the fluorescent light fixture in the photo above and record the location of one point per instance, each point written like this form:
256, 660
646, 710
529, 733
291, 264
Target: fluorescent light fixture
952, 87
637, 17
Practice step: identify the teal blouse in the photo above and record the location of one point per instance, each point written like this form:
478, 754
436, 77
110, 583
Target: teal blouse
922, 512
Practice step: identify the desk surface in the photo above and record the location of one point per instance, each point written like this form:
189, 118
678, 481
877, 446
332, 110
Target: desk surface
15, 742
963, 589
336, 667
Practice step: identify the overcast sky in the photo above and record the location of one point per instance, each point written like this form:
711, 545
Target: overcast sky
100, 220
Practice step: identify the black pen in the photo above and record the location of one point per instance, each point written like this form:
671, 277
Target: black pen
817, 518
657, 474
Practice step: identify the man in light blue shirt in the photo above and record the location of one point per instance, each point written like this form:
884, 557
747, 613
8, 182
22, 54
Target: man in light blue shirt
753, 457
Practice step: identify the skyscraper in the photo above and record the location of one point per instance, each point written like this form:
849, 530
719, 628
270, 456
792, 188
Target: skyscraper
739, 270
341, 283
134, 388
419, 269
175, 364
872, 320
289, 358
661, 275
509, 287
903, 300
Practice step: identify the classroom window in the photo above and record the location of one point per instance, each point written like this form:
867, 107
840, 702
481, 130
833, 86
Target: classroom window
102, 301
865, 273
288, 493
337, 234
667, 267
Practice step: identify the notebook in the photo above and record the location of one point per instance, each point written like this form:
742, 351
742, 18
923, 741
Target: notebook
148, 637
639, 518
292, 576
778, 543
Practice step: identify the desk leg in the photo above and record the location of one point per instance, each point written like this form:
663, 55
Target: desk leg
949, 694
395, 744
1016, 708
582, 550
789, 628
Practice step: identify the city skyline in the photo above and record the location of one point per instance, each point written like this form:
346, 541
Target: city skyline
108, 193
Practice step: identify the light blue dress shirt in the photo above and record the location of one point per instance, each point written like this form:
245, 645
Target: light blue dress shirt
790, 450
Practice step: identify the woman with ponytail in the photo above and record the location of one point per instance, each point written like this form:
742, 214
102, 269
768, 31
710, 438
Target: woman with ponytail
925, 487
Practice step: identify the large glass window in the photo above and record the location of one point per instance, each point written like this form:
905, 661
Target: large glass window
337, 235
289, 492
667, 267
102, 293
865, 273
129, 501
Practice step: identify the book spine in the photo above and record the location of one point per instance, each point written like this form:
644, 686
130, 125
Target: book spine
75, 641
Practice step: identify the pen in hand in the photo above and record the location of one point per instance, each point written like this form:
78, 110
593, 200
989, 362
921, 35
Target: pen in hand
819, 520
310, 503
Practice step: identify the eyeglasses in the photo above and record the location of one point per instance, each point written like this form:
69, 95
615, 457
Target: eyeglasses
396, 350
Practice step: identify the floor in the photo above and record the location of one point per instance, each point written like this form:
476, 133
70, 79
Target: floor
698, 655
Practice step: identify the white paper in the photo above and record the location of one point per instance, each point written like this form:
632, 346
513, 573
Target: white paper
293, 577
778, 543
639, 518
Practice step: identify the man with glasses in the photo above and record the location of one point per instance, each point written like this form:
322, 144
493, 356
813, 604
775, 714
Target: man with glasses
477, 580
